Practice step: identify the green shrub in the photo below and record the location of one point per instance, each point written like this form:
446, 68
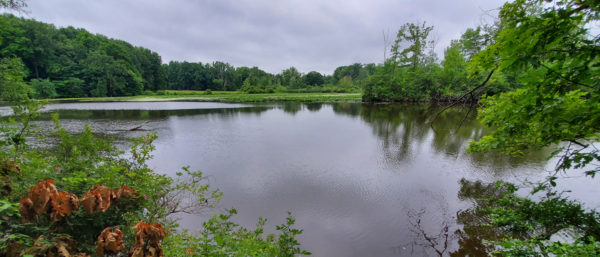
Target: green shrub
220, 236
148, 93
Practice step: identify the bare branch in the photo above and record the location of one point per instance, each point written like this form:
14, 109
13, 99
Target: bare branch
463, 97
17, 5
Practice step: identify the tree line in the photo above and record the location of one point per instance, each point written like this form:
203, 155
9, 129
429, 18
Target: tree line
225, 77
413, 72
72, 62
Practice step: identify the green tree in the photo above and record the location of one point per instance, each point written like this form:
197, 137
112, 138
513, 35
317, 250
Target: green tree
110, 77
475, 40
560, 98
72, 87
66, 54
353, 71
291, 78
12, 87
412, 44
13, 41
548, 43
412, 71
43, 44
43, 88
356, 74
383, 85
453, 74
313, 78
224, 75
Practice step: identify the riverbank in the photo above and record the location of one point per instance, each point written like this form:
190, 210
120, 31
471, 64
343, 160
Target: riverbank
225, 96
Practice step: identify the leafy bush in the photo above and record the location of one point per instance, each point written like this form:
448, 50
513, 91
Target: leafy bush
221, 237
149, 93
43, 88
529, 225
506, 223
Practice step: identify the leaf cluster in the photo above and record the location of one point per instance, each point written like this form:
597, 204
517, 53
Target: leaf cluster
219, 236
549, 44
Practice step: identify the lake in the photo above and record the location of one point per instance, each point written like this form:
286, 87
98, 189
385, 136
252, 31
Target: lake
360, 179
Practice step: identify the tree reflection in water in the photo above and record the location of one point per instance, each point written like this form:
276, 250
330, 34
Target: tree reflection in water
474, 232
401, 127
462, 234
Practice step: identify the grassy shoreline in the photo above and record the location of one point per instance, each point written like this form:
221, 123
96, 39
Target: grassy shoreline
224, 96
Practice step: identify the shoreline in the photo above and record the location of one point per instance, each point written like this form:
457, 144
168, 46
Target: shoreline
227, 97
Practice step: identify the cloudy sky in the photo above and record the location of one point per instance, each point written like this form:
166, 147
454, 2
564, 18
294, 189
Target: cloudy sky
273, 35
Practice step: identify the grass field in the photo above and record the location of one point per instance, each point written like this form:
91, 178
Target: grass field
226, 96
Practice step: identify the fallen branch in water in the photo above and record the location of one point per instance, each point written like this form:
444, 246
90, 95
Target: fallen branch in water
139, 127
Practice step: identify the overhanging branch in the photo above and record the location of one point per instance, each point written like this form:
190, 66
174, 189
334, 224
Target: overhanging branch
463, 97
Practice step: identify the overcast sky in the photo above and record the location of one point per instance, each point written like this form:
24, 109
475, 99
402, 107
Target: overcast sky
273, 35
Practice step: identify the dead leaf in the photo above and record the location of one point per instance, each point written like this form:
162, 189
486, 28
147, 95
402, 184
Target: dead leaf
147, 240
63, 205
26, 209
97, 199
124, 192
39, 200
110, 241
44, 198
62, 246
90, 201
105, 194
41, 194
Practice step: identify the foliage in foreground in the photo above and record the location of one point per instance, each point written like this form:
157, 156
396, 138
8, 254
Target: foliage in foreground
549, 44
560, 99
506, 223
78, 164
82, 160
222, 237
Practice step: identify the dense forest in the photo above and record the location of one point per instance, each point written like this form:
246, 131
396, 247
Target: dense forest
223, 76
71, 62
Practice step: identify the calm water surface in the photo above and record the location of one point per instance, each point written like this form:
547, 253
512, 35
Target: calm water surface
357, 177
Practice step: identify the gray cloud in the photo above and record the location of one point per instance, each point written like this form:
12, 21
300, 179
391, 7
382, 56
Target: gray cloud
273, 35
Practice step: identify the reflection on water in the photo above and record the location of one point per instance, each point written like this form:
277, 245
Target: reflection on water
119, 122
361, 179
472, 235
222, 113
403, 127
140, 106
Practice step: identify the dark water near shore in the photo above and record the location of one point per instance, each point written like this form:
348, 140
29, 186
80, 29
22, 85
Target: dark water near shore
356, 176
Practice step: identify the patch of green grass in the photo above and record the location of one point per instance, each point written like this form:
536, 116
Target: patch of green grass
226, 96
